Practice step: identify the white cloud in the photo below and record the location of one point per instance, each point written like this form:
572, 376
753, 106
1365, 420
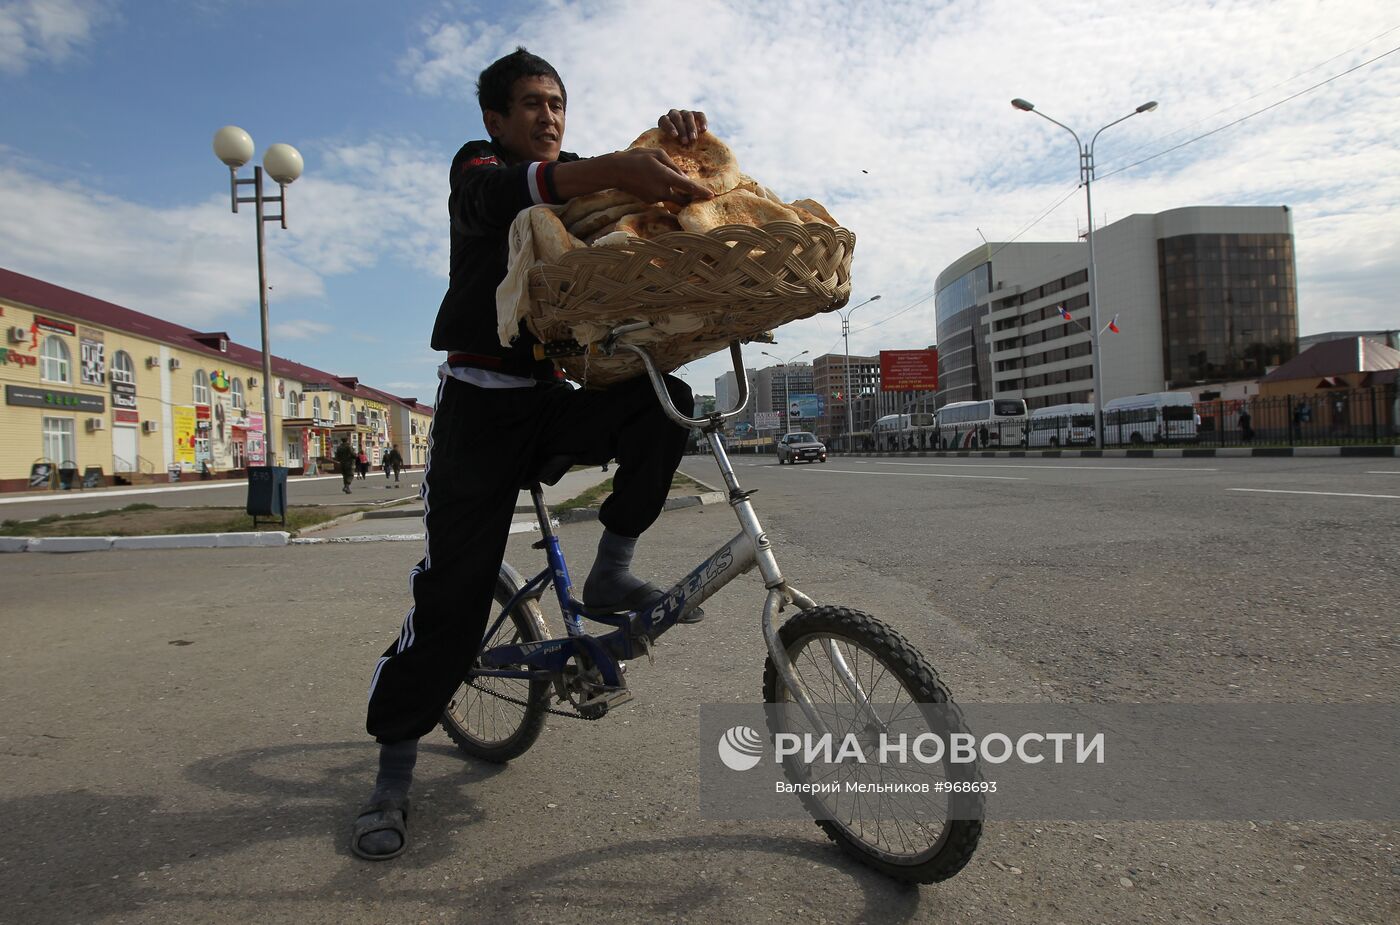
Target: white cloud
35, 31
301, 329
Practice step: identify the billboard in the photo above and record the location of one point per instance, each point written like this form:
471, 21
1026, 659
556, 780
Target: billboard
766, 420
806, 406
909, 370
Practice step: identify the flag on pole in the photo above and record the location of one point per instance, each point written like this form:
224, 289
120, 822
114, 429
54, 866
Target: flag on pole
1113, 325
1063, 313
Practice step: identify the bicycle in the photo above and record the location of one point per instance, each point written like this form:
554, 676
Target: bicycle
499, 709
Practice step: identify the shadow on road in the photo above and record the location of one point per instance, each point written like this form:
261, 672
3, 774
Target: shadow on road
87, 855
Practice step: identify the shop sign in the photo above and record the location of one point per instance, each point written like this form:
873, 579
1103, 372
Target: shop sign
123, 394
54, 326
92, 357
125, 417
28, 397
322, 422
218, 380
19, 359
182, 420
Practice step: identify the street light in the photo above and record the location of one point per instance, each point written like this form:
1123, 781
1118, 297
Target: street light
1086, 177
846, 334
787, 395
283, 163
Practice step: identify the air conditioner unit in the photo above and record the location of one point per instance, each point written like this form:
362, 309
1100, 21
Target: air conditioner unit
18, 335
174, 362
152, 362
252, 382
149, 427
96, 424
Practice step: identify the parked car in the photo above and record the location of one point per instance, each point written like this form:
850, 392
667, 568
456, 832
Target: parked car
800, 446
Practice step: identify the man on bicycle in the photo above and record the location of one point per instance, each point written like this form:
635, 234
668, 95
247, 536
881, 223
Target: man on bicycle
470, 485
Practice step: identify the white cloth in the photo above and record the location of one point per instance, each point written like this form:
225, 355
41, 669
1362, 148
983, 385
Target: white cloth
484, 378
513, 294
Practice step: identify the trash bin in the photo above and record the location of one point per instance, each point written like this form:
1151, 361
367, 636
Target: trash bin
267, 492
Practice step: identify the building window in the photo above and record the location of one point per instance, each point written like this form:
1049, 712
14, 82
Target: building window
316, 407
54, 362
201, 387
123, 370
293, 404
236, 395
58, 440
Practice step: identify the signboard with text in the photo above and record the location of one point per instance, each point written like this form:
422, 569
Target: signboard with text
908, 370
766, 420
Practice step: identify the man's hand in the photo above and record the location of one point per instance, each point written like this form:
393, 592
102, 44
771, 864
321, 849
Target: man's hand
684, 125
647, 173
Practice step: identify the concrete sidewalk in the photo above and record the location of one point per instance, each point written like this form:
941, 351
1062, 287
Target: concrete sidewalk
406, 521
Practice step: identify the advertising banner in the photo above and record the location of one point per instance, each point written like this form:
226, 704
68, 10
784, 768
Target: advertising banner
908, 370
805, 406
93, 361
256, 440
766, 420
182, 421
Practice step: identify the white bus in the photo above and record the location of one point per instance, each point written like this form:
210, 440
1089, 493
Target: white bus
972, 424
1156, 417
1062, 425
904, 431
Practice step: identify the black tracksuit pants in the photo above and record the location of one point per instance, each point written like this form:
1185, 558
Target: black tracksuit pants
484, 446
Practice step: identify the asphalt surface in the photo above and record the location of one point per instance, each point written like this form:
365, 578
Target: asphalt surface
183, 736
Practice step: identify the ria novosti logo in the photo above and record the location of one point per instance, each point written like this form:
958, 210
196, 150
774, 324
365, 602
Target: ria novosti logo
740, 748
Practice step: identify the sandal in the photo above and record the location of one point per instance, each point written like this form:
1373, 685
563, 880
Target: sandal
388, 815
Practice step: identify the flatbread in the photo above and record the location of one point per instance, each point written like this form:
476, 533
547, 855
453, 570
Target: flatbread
552, 239
706, 160
816, 208
649, 224
753, 186
592, 222
737, 207
580, 206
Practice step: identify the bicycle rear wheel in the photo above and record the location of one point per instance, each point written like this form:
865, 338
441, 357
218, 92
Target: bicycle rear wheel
497, 719
921, 837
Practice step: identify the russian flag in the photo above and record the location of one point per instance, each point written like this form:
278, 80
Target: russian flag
1113, 325
1063, 314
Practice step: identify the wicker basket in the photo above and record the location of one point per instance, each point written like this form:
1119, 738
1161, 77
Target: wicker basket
700, 291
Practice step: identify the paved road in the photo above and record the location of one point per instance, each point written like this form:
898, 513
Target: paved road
182, 730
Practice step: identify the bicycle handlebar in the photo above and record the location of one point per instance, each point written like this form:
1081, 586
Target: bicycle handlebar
609, 345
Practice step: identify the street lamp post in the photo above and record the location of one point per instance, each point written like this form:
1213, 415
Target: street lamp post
283, 163
1086, 177
787, 393
846, 335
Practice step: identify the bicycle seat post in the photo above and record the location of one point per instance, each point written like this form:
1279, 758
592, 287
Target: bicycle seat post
549, 542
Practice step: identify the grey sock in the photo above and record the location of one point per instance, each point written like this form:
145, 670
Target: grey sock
611, 579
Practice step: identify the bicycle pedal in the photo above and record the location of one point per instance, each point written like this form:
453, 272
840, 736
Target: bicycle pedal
607, 697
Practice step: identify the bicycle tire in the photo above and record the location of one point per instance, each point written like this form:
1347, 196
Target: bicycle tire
484, 725
958, 839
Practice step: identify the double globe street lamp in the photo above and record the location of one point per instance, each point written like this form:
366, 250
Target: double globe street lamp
787, 394
283, 163
1086, 177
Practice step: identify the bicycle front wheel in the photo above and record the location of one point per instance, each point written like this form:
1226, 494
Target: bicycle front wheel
918, 823
497, 719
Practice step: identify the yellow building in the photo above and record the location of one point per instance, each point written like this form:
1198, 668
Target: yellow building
99, 394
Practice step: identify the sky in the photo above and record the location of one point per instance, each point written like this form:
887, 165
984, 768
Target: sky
895, 115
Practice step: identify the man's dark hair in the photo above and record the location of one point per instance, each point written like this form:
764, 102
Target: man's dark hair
497, 82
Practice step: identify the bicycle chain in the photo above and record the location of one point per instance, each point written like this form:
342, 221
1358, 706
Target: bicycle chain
523, 703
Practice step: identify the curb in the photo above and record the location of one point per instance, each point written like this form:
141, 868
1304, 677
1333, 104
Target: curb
1182, 452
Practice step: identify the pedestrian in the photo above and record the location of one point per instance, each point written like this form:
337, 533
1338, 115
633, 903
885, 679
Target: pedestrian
394, 461
345, 459
362, 464
1246, 426
484, 388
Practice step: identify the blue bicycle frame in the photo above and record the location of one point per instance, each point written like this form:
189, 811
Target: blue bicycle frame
635, 631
